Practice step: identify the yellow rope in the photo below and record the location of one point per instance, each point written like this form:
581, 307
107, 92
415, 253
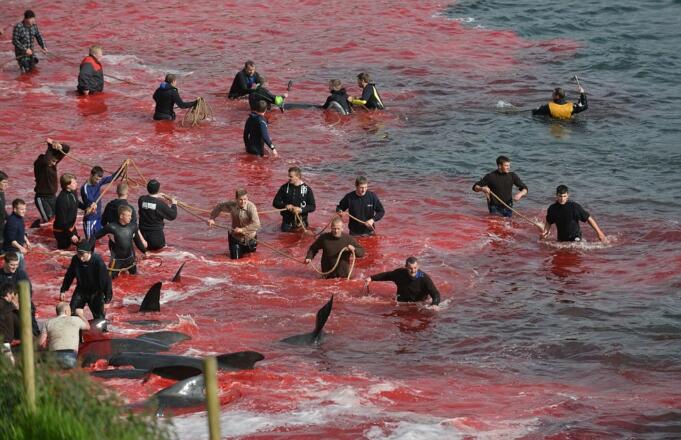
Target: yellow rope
540, 226
200, 111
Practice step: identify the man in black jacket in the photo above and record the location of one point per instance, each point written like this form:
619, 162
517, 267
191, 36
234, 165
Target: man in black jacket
123, 234
10, 324
364, 206
153, 211
91, 75
298, 200
12, 273
111, 210
93, 285
46, 178
256, 132
66, 212
166, 97
499, 183
412, 283
245, 81
338, 100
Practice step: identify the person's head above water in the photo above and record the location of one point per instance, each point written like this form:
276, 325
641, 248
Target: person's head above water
153, 186
261, 107
361, 185
96, 51
241, 196
335, 85
503, 164
171, 79
558, 94
337, 227
562, 194
249, 67
412, 266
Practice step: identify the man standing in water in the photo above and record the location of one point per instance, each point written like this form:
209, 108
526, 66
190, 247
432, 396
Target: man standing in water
153, 212
91, 75
243, 237
559, 108
500, 183
364, 206
93, 285
256, 132
370, 98
166, 97
332, 244
123, 234
46, 179
22, 39
297, 199
412, 283
567, 215
245, 81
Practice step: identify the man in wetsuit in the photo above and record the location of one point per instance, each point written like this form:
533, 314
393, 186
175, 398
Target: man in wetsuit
338, 100
153, 211
256, 132
559, 108
243, 237
166, 97
500, 182
93, 284
567, 215
263, 94
66, 212
22, 39
46, 178
412, 283
332, 244
370, 98
91, 75
89, 192
123, 234
12, 273
364, 205
111, 210
4, 183
246, 81
298, 200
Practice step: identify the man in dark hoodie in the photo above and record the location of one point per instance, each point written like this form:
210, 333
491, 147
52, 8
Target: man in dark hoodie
256, 133
338, 100
166, 97
245, 82
153, 212
46, 179
263, 94
297, 199
91, 75
370, 98
10, 324
93, 285
66, 211
12, 273
559, 108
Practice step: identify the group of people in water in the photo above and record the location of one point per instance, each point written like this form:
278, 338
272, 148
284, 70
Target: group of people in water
144, 228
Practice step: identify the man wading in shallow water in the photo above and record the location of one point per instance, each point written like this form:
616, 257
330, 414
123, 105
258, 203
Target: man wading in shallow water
243, 237
500, 182
567, 215
412, 283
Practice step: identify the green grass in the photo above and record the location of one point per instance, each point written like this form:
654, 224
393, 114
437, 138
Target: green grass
70, 406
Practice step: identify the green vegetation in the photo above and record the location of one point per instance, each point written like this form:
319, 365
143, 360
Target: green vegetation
70, 406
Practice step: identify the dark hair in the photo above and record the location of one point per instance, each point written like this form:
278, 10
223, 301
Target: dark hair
502, 160
335, 84
29, 14
260, 106
559, 92
11, 256
97, 171
3, 176
153, 186
17, 202
561, 189
364, 77
124, 208
240, 192
411, 260
7, 288
65, 180
249, 63
361, 180
295, 170
170, 78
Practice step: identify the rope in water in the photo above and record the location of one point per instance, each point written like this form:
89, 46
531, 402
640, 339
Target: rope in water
200, 111
540, 226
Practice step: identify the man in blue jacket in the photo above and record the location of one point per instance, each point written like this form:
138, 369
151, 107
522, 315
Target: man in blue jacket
256, 133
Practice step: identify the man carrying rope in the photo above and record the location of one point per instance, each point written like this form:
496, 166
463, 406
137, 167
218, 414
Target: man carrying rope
499, 185
90, 192
363, 206
166, 97
243, 237
332, 244
123, 234
297, 199
93, 285
412, 283
153, 212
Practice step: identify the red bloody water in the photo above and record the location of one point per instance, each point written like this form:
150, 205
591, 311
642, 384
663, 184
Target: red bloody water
531, 340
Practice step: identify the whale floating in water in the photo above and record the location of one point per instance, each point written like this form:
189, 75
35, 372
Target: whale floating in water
317, 334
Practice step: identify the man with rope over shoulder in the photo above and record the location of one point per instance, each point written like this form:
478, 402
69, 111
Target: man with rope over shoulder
123, 234
332, 244
243, 237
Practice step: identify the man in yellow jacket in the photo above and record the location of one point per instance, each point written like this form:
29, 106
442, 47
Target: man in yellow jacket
559, 108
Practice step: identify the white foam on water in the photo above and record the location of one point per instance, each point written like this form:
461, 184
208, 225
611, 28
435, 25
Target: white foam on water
503, 104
